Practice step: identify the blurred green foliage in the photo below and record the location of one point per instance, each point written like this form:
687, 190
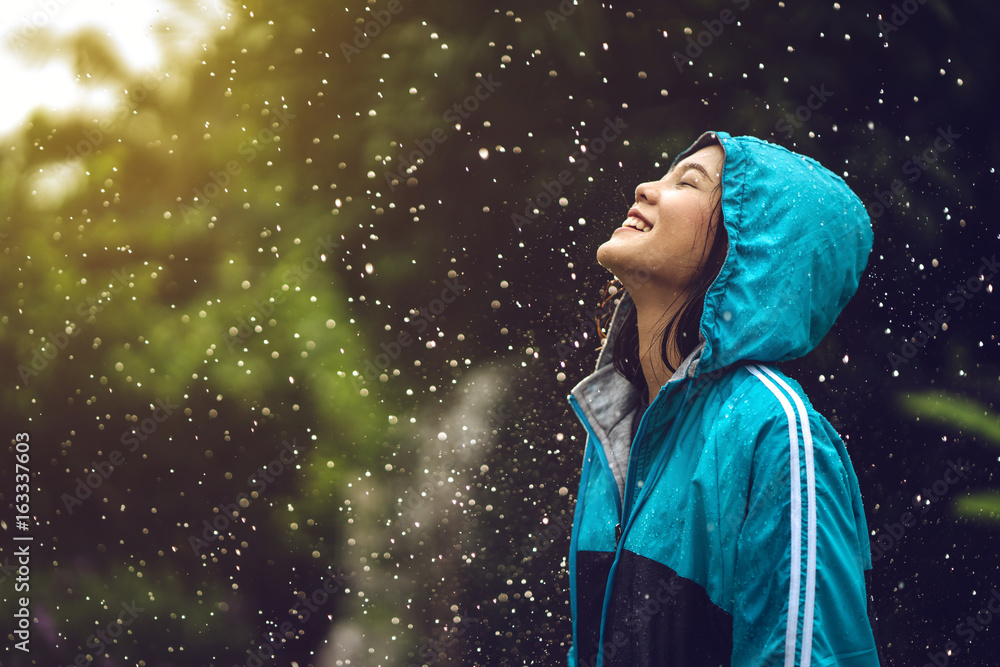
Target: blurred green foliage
968, 418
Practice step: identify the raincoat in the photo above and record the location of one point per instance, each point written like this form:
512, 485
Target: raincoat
729, 529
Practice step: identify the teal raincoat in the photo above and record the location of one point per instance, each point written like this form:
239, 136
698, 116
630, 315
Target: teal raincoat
730, 529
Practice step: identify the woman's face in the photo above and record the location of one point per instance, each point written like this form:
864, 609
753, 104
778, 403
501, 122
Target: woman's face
676, 213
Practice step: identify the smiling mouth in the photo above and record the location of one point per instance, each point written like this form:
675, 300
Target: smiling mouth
637, 223
636, 220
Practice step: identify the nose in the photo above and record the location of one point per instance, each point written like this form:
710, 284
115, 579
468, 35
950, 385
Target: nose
646, 192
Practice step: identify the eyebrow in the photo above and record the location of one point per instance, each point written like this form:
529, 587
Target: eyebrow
685, 166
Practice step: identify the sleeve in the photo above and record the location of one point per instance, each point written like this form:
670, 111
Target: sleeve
799, 595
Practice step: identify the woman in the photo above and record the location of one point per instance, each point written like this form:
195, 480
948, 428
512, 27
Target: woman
722, 524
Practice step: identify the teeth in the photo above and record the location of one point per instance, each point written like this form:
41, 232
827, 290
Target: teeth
637, 223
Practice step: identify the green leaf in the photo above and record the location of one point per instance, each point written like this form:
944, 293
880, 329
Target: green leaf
983, 506
966, 415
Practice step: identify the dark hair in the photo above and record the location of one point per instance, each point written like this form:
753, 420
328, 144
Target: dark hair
685, 322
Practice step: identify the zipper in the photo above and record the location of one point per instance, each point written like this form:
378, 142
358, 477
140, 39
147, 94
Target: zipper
624, 509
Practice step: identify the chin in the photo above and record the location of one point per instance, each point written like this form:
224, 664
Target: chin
629, 266
606, 255
612, 256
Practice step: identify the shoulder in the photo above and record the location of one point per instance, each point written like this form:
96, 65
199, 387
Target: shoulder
758, 406
758, 393
750, 394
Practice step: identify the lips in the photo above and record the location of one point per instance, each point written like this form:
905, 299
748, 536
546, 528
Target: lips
637, 221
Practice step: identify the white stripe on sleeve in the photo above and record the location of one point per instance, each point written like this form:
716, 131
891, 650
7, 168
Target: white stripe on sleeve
795, 547
807, 623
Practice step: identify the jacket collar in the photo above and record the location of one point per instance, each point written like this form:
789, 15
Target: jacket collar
608, 401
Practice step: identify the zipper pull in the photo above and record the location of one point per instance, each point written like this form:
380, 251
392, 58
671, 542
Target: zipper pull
618, 535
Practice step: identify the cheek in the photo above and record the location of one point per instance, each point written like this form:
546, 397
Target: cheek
691, 229
680, 233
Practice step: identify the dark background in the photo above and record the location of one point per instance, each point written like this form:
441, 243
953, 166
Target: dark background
440, 478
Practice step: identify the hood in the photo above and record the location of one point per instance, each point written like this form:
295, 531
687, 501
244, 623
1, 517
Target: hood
799, 240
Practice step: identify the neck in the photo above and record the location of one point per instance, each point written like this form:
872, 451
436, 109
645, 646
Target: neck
653, 310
